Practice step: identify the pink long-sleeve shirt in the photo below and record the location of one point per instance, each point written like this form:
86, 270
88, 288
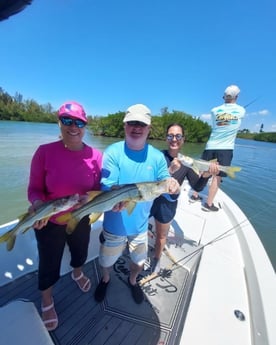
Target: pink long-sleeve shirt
57, 172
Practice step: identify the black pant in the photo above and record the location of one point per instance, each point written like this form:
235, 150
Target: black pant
51, 241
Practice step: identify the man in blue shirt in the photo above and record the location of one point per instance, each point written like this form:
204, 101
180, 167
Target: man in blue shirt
130, 161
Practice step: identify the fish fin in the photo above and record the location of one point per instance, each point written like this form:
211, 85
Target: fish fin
93, 217
26, 229
64, 218
213, 160
11, 242
5, 237
71, 225
130, 207
230, 171
92, 194
23, 216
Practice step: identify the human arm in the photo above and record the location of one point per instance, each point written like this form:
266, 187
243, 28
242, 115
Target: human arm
198, 182
174, 166
36, 187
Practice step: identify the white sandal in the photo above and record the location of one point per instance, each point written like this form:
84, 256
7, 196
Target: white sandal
86, 286
54, 320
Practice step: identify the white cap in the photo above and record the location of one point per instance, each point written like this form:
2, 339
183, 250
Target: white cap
138, 112
231, 92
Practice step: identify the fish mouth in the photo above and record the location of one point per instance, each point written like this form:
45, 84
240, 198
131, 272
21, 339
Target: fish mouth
151, 190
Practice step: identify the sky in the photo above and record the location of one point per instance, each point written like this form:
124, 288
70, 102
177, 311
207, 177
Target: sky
110, 54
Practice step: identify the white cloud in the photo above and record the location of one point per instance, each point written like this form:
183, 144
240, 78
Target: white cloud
263, 112
205, 117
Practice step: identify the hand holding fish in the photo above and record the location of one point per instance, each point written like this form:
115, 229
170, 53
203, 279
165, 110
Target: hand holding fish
120, 206
38, 224
213, 169
173, 186
174, 166
37, 216
201, 165
116, 199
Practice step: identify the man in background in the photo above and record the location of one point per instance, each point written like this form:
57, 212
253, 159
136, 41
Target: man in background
226, 121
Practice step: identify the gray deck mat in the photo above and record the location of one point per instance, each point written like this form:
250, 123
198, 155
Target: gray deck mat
118, 320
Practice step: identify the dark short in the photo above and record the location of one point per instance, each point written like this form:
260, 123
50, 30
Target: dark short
224, 157
163, 210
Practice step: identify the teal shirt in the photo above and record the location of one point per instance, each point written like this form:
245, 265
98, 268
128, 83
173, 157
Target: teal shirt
226, 121
122, 165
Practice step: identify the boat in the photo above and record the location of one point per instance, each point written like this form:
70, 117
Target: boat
216, 286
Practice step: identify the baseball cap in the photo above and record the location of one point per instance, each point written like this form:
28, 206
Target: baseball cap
73, 109
138, 112
231, 92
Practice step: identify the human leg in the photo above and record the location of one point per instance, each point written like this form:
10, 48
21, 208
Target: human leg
213, 188
224, 158
78, 243
50, 244
111, 249
138, 245
163, 212
49, 315
161, 237
82, 281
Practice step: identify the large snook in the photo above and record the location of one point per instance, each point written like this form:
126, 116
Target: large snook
45, 211
201, 165
102, 201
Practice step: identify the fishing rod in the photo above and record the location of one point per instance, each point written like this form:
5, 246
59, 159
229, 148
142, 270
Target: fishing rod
248, 104
176, 264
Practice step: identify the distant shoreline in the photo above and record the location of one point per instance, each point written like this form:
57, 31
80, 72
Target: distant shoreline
269, 137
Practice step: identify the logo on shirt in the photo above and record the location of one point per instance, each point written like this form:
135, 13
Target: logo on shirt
226, 119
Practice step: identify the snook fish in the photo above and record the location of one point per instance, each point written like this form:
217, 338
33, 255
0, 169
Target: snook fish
102, 201
201, 165
45, 211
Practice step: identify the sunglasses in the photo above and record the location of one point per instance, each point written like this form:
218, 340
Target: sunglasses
136, 123
178, 137
67, 121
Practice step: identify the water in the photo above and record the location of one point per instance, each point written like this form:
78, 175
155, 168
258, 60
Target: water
254, 189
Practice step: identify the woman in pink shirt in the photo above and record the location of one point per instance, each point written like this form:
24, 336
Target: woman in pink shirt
58, 169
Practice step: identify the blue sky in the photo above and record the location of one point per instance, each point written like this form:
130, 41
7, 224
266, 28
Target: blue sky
110, 54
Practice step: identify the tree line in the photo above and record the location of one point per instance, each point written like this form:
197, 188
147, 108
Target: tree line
15, 108
196, 131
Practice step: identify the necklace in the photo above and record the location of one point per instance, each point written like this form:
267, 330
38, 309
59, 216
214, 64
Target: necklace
74, 148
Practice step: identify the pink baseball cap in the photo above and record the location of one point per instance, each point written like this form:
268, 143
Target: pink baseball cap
73, 109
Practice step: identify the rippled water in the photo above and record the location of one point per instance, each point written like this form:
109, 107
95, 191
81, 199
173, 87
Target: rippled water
254, 189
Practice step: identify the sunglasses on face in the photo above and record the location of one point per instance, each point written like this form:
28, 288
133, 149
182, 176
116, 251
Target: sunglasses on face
177, 137
136, 123
67, 121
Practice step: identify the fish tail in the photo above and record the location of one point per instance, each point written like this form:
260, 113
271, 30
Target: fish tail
130, 207
5, 237
71, 225
93, 217
64, 218
11, 242
230, 171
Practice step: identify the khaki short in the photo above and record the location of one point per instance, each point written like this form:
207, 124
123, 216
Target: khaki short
112, 247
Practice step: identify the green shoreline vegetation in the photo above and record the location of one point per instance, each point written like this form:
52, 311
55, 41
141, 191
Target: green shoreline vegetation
14, 108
